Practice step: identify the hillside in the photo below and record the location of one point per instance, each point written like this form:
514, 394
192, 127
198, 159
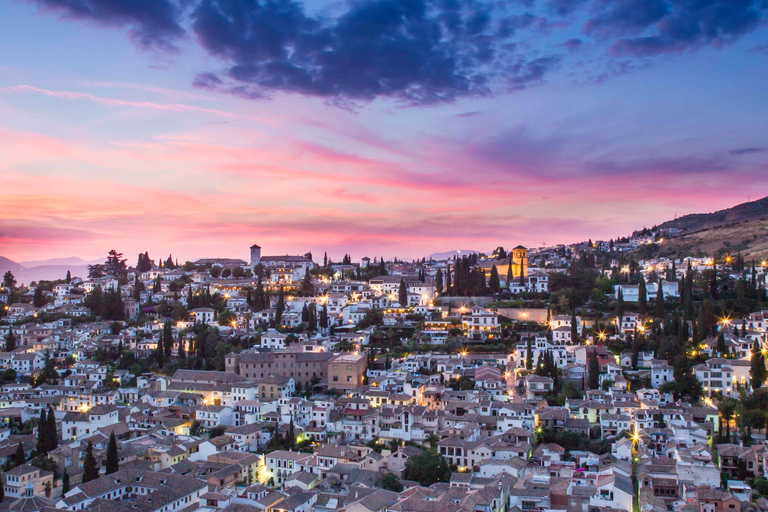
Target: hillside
746, 211
750, 237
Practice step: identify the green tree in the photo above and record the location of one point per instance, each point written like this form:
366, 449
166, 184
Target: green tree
726, 409
594, 370
65, 485
660, 307
494, 282
757, 371
574, 328
9, 281
427, 468
439, 281
90, 466
722, 349
167, 339
529, 355
390, 482
39, 298
642, 297
20, 457
113, 459
53, 435
10, 341
280, 307
42, 433
402, 295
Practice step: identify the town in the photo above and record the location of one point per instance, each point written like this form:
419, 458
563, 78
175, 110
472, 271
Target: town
579, 378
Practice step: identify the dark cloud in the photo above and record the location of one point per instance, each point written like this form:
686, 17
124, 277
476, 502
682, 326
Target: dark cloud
623, 17
150, 23
418, 52
691, 24
745, 151
572, 45
565, 7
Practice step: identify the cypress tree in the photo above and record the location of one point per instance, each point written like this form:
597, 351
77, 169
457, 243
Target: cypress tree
594, 371
90, 467
510, 273
448, 284
68, 279
42, 433
160, 350
182, 351
660, 310
402, 295
642, 297
757, 371
53, 435
279, 307
167, 339
529, 356
10, 341
439, 281
113, 459
20, 457
65, 486
493, 283
574, 328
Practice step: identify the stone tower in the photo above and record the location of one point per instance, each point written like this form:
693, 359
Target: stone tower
255, 255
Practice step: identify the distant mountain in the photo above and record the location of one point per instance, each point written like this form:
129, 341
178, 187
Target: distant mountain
72, 260
6, 265
438, 256
745, 211
25, 274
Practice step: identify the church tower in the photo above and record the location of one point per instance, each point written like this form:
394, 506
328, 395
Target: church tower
255, 255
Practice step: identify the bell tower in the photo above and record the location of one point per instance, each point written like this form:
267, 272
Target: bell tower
255, 255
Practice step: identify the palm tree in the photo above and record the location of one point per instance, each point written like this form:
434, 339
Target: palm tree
727, 409
432, 440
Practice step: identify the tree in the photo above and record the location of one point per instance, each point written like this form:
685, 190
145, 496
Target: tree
113, 459
494, 282
390, 482
90, 466
9, 281
727, 409
167, 339
39, 298
215, 271
721, 347
68, 279
42, 433
574, 328
660, 309
529, 355
10, 341
594, 370
642, 297
307, 288
757, 371
53, 435
402, 294
65, 485
279, 307
290, 436
427, 468
160, 350
20, 457
439, 281
115, 264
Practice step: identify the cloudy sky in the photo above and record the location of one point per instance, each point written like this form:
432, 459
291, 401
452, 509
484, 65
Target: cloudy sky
381, 127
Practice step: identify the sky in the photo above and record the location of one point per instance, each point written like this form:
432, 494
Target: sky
379, 127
